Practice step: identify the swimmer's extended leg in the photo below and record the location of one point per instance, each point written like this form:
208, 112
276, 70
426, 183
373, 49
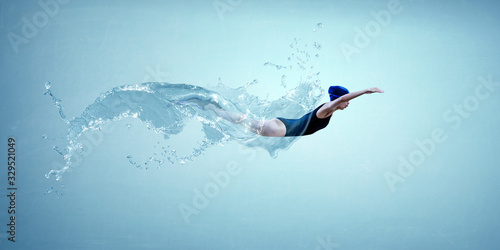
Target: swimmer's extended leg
236, 118
203, 103
260, 127
196, 102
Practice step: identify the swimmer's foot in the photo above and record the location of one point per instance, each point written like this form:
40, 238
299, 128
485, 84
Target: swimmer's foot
191, 104
210, 107
203, 103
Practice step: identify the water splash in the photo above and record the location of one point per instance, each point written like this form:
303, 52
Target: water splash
283, 83
56, 102
318, 26
52, 190
165, 109
317, 45
278, 67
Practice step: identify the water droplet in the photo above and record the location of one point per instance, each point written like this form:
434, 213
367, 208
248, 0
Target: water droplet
56, 148
319, 25
44, 136
47, 85
132, 162
283, 83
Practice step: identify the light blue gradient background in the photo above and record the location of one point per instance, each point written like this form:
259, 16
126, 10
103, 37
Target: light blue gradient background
330, 185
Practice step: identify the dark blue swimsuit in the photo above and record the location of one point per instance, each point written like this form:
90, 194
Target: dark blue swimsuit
306, 125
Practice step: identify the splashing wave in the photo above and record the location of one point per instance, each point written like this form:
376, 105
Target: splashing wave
164, 108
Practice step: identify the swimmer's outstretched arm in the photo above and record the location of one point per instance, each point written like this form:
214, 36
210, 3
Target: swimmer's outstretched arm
330, 107
350, 96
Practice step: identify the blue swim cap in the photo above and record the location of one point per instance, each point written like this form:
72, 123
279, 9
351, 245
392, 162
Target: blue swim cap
336, 92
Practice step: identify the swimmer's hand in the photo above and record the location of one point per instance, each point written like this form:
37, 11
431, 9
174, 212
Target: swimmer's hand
374, 90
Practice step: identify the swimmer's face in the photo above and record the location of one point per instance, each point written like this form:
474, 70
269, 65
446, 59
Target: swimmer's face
343, 105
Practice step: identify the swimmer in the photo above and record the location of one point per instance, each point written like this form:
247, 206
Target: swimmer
306, 125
